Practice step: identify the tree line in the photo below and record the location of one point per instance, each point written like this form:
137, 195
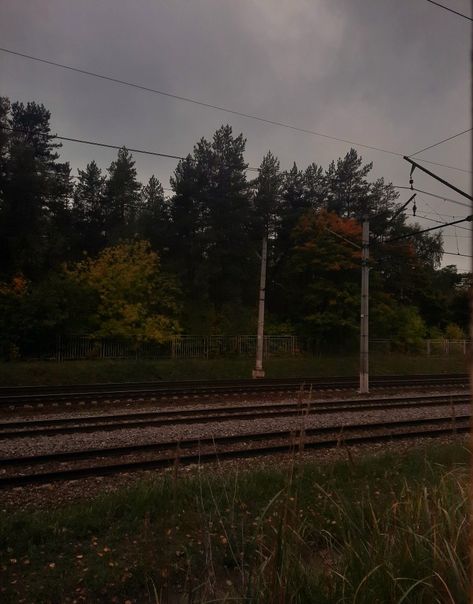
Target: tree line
103, 254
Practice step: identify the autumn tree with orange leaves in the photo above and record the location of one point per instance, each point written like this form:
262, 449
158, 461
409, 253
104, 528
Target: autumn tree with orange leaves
324, 270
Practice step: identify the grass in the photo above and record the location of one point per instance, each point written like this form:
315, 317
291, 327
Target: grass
379, 529
80, 372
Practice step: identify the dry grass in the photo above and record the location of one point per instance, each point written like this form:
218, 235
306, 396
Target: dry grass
372, 530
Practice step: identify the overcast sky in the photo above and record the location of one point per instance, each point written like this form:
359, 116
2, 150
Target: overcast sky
389, 73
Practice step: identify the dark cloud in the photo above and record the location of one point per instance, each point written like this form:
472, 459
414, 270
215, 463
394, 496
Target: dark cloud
393, 74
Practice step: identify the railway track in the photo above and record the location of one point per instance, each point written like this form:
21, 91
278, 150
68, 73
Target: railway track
112, 422
11, 397
200, 450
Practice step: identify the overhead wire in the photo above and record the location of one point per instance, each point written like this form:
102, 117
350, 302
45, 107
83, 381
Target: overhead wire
442, 223
447, 8
442, 197
435, 228
441, 142
210, 105
457, 254
166, 155
106, 145
436, 163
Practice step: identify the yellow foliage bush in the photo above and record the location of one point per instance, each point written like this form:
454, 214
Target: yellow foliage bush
136, 299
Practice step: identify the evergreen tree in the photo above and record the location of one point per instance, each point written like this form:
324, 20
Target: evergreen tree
293, 204
122, 196
212, 218
186, 229
315, 187
267, 195
88, 209
230, 266
154, 216
35, 194
348, 187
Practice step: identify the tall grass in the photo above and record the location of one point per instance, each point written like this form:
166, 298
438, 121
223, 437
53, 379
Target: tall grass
404, 545
386, 529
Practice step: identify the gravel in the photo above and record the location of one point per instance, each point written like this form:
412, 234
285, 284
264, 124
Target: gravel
54, 495
63, 492
128, 436
189, 404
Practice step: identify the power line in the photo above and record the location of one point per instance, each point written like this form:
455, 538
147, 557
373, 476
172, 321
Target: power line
440, 222
457, 254
208, 105
106, 145
441, 214
442, 197
95, 143
436, 163
441, 142
196, 102
467, 219
450, 10
167, 155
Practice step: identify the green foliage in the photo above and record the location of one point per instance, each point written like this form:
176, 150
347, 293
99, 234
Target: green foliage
88, 209
34, 216
208, 236
324, 271
153, 218
267, 196
409, 327
454, 332
137, 300
121, 197
211, 220
32, 316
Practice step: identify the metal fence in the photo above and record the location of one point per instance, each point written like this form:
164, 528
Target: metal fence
212, 346
176, 347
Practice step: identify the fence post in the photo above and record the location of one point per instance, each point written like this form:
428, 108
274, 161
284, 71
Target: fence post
173, 347
428, 347
464, 347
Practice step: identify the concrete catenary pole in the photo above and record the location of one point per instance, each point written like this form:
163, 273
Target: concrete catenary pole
364, 318
258, 371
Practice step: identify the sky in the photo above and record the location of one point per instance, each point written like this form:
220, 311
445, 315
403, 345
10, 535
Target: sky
393, 74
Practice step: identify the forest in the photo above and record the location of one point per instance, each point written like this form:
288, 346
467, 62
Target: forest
99, 253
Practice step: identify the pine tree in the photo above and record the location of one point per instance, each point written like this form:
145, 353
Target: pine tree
315, 187
88, 209
186, 229
267, 195
349, 191
212, 219
227, 212
122, 196
294, 203
34, 211
153, 221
